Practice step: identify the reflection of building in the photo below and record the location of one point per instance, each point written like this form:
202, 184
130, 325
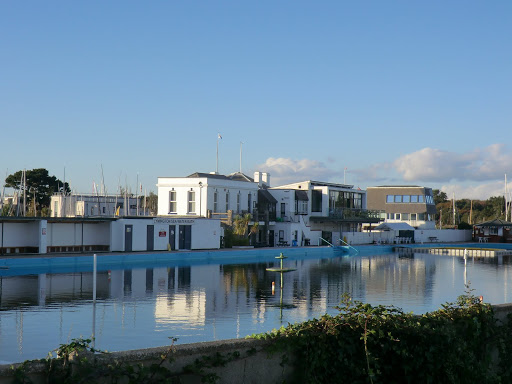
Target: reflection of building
413, 205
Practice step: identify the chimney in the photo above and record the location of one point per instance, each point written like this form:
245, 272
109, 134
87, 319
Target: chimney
257, 177
265, 178
262, 178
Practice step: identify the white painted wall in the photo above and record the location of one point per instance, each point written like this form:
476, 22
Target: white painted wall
420, 236
21, 234
204, 195
205, 233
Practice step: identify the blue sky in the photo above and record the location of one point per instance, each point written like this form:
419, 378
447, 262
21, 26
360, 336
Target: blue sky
396, 92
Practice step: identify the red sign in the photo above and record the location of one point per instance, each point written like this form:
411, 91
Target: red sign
162, 234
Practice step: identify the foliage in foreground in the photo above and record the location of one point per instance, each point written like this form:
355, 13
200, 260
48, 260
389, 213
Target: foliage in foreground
459, 343
367, 344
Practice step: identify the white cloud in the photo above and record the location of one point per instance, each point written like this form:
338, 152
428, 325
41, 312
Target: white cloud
475, 192
428, 164
478, 174
286, 170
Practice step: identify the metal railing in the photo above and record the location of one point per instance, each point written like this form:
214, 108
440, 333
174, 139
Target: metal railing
341, 241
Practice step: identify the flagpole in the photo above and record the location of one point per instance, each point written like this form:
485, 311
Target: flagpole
241, 156
217, 164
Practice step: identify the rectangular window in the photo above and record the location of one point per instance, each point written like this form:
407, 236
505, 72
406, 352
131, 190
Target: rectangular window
238, 203
55, 209
249, 202
421, 199
358, 200
281, 235
413, 216
283, 209
390, 199
397, 216
215, 202
172, 202
405, 216
391, 216
421, 216
414, 199
191, 202
316, 201
406, 199
227, 201
398, 198
301, 207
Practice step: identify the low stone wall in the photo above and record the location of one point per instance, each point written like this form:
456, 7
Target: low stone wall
248, 362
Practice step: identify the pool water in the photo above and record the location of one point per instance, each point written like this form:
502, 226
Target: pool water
144, 300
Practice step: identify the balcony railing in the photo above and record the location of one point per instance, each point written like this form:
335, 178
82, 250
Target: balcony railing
353, 213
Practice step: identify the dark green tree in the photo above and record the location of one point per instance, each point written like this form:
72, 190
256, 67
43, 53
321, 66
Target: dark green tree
39, 186
439, 196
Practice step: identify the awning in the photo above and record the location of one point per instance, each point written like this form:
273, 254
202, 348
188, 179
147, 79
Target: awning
393, 227
265, 195
301, 195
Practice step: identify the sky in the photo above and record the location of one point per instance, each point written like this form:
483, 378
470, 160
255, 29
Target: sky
365, 93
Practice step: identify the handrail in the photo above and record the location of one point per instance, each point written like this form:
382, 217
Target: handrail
341, 241
348, 245
321, 238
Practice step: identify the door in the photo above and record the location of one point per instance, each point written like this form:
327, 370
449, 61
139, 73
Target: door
150, 237
185, 236
128, 237
271, 238
327, 236
172, 237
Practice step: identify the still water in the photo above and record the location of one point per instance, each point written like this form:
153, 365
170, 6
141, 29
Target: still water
142, 305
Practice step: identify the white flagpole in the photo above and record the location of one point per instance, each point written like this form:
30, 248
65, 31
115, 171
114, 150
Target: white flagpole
241, 156
217, 165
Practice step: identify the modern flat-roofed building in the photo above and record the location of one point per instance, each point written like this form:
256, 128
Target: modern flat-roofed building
411, 204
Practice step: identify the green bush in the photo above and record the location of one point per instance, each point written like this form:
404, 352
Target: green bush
367, 344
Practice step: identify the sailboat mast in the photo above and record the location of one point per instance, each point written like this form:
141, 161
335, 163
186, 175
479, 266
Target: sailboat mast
453, 209
506, 199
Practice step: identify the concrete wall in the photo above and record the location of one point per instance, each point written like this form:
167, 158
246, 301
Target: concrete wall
20, 234
420, 236
205, 233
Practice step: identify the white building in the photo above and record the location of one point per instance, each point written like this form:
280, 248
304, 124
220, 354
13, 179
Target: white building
207, 195
310, 211
76, 205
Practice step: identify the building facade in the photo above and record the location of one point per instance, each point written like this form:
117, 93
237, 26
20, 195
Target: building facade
90, 205
318, 212
413, 205
206, 195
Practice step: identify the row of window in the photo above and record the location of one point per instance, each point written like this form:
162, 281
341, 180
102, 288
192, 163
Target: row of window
409, 216
301, 208
191, 199
410, 199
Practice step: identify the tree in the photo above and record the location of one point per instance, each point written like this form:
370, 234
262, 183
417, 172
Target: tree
151, 203
241, 224
439, 197
40, 186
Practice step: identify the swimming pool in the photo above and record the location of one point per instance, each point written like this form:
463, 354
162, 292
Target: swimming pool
144, 299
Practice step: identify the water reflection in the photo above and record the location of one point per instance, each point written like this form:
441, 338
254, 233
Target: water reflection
143, 307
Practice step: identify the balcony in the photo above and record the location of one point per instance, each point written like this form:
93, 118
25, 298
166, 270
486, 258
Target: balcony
353, 214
